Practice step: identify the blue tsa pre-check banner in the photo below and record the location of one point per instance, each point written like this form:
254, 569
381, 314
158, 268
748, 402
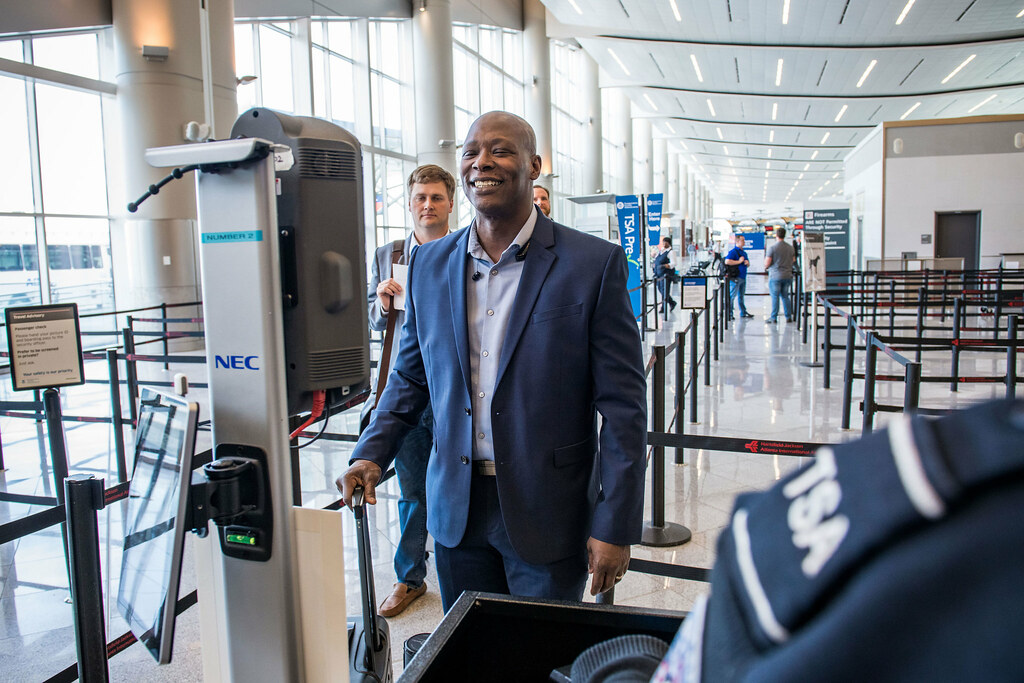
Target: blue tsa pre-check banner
628, 208
654, 202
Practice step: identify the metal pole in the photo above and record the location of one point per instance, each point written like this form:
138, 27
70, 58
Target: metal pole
693, 367
851, 345
643, 303
706, 314
680, 393
921, 295
58, 456
83, 495
716, 301
116, 416
827, 367
727, 307
958, 318
869, 384
999, 302
912, 387
814, 325
1011, 357
658, 533
892, 308
130, 376
167, 348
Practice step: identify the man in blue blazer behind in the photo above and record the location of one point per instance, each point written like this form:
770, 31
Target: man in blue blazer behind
519, 332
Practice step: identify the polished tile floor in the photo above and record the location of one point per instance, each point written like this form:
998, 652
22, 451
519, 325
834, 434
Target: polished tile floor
759, 389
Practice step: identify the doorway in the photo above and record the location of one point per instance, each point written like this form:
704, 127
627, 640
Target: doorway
958, 235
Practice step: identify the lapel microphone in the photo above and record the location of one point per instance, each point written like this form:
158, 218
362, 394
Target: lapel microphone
521, 254
477, 275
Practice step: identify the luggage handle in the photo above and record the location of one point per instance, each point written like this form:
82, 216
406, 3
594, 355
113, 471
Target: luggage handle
376, 641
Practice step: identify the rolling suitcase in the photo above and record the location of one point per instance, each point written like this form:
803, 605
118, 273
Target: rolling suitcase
369, 639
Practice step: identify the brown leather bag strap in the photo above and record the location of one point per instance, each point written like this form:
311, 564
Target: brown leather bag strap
397, 247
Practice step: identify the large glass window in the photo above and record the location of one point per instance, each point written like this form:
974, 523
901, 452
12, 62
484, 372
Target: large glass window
264, 50
568, 127
488, 65
54, 222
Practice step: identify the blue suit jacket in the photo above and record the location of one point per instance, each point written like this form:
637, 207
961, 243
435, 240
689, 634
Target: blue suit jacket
572, 351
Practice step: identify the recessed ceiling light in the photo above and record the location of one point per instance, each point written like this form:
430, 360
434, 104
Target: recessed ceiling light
616, 58
650, 102
785, 11
771, 135
579, 11
725, 148
683, 143
711, 107
807, 165
670, 128
800, 177
778, 73
824, 138
696, 67
910, 111
903, 14
955, 71
1020, 14
767, 164
815, 155
769, 151
719, 131
675, 10
775, 110
982, 103
864, 75
840, 114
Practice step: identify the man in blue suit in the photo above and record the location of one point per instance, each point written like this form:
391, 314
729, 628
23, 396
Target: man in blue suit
519, 332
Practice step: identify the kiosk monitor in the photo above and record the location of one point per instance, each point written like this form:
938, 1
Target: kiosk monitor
154, 526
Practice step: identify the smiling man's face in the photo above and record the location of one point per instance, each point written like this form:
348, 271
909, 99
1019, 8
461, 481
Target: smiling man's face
499, 164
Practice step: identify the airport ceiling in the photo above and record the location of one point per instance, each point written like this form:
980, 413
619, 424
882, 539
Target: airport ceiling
766, 97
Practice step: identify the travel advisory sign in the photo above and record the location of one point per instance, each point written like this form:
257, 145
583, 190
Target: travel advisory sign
45, 346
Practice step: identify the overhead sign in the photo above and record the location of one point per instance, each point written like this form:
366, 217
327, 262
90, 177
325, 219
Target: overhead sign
695, 292
835, 225
654, 203
812, 261
45, 346
630, 236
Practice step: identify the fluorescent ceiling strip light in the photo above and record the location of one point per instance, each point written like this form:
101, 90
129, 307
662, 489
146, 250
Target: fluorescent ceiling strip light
616, 58
696, 67
725, 148
775, 110
815, 155
785, 12
719, 131
910, 111
982, 103
835, 175
650, 102
864, 75
711, 107
841, 112
800, 177
955, 71
768, 164
1020, 14
771, 135
778, 73
824, 138
579, 11
670, 128
807, 165
903, 14
675, 10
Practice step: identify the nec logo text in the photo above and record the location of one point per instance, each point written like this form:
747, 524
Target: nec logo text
236, 362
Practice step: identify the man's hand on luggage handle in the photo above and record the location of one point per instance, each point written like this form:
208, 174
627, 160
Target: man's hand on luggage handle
607, 563
365, 473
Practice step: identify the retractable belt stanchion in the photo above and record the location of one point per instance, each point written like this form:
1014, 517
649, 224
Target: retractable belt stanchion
912, 388
680, 393
706, 314
922, 293
130, 374
1011, 357
716, 304
827, 348
851, 346
693, 367
58, 455
958, 321
83, 495
659, 533
869, 384
116, 417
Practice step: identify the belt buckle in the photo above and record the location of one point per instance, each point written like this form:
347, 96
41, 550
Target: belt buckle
484, 467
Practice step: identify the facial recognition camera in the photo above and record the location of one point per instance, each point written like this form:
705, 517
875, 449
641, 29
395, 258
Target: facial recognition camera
322, 244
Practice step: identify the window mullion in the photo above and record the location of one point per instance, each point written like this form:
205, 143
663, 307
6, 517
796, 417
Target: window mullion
42, 257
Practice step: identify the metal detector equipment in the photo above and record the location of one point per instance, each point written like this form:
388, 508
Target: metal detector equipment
156, 519
283, 271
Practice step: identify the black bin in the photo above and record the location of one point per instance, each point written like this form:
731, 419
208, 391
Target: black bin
487, 637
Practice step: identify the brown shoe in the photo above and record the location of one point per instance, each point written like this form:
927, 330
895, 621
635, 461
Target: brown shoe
400, 598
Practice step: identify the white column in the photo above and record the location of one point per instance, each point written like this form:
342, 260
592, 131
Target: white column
154, 252
683, 187
537, 62
593, 173
644, 153
435, 88
622, 136
659, 157
672, 197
